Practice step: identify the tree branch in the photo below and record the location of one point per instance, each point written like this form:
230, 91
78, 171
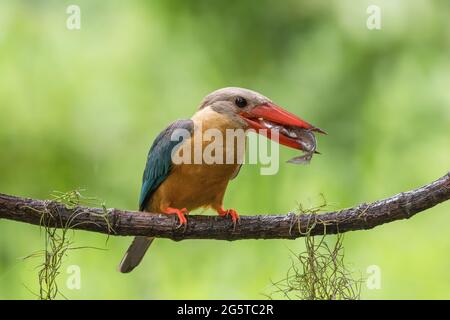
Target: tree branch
290, 226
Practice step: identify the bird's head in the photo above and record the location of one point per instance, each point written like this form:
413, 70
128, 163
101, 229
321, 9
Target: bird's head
250, 109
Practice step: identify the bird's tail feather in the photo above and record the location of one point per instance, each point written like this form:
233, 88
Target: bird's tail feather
135, 253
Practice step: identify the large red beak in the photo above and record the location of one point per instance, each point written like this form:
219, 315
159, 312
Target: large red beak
269, 115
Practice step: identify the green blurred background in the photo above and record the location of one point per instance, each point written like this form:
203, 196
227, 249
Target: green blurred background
80, 108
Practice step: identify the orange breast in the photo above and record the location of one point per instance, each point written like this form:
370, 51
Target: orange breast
196, 185
192, 186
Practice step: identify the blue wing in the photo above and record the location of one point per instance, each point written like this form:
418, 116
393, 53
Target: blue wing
159, 161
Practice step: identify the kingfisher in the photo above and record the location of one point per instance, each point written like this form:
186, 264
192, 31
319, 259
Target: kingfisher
174, 188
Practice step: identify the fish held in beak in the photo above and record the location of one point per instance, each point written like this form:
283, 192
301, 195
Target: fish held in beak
304, 137
292, 131
308, 141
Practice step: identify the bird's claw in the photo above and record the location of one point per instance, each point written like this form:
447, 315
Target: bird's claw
180, 214
230, 212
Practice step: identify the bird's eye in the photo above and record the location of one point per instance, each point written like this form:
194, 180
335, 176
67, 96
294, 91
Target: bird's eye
240, 102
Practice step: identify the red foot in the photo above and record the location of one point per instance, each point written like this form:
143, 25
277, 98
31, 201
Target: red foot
179, 212
230, 212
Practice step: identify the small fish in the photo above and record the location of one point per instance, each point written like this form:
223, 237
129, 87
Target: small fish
308, 141
304, 137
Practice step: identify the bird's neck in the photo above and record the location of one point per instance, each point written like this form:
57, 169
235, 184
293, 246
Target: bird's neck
207, 118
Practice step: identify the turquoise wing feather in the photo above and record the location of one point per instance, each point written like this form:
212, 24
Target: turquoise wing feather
159, 160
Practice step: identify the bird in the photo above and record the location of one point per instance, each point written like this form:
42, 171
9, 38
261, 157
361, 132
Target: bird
178, 188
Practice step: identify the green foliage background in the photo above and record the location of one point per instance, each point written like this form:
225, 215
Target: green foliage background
80, 108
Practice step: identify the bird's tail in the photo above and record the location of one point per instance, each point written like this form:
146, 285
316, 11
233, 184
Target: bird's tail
134, 254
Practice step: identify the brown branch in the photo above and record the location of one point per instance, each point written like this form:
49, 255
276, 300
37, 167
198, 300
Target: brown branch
290, 226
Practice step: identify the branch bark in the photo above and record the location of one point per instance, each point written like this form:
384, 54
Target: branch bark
290, 226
